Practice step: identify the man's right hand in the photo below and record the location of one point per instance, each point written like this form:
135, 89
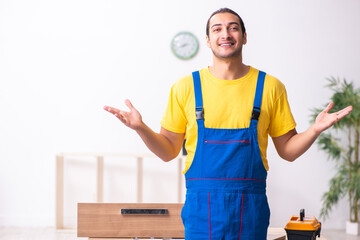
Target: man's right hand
132, 118
166, 144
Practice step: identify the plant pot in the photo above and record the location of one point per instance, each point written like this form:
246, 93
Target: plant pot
353, 228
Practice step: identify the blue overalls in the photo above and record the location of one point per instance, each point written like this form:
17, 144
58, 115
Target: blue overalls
226, 183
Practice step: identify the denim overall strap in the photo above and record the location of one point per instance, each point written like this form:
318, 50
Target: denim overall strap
199, 110
258, 98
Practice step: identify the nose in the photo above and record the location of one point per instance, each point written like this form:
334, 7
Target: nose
225, 34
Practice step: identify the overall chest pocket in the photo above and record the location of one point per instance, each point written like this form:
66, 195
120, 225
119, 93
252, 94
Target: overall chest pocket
225, 149
224, 142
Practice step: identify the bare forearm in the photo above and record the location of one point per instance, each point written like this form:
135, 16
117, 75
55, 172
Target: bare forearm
298, 144
162, 145
292, 145
166, 144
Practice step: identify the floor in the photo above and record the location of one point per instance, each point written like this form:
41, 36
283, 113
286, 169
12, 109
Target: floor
11, 233
338, 235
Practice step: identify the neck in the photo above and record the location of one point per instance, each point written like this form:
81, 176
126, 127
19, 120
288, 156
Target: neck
229, 69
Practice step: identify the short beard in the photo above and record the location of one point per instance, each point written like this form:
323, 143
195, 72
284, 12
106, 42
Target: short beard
235, 54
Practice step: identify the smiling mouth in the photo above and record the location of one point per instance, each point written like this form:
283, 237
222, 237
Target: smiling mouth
226, 44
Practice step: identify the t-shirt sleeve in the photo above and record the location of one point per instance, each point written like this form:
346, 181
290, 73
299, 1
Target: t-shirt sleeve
282, 120
174, 118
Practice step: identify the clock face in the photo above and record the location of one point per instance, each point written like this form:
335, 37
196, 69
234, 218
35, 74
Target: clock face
184, 45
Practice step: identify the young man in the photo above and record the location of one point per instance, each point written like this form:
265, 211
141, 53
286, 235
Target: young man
226, 112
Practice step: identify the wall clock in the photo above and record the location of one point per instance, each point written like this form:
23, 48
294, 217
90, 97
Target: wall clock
184, 45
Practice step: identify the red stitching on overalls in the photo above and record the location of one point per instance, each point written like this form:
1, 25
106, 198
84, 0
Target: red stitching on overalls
209, 217
242, 179
242, 204
227, 141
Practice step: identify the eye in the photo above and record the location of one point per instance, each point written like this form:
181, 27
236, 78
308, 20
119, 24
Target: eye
216, 29
234, 28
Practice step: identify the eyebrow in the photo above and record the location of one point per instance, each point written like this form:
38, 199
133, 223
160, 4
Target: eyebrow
219, 24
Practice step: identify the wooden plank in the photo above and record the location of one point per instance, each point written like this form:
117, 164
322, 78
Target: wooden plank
140, 179
100, 178
105, 220
126, 238
88, 154
180, 179
59, 192
133, 238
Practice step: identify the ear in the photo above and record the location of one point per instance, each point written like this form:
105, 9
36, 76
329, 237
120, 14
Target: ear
244, 38
208, 42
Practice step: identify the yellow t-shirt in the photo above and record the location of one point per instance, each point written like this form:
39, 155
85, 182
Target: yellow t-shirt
228, 104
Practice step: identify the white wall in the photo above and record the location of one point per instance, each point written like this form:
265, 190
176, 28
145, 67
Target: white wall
61, 61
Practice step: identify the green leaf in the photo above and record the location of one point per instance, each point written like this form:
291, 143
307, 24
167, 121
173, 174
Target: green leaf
346, 181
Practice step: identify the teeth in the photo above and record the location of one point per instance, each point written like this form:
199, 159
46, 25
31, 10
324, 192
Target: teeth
227, 44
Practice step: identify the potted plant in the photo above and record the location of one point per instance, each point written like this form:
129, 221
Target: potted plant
344, 149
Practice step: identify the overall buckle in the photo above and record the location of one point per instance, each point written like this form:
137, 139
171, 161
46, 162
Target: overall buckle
255, 114
199, 112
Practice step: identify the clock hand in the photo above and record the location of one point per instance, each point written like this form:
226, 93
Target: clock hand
181, 46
